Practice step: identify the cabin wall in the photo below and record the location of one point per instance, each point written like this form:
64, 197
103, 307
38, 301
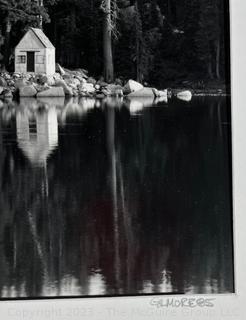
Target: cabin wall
20, 67
50, 61
40, 60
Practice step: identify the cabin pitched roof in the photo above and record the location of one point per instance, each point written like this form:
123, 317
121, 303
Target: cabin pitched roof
39, 38
43, 38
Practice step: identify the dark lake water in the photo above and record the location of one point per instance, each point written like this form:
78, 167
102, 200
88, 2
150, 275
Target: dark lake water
115, 197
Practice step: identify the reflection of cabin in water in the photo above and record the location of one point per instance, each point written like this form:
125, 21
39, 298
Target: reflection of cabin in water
35, 53
37, 134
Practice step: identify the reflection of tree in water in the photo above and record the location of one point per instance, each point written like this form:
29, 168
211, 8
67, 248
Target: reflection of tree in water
135, 204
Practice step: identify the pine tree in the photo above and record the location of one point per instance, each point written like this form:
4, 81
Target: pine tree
26, 11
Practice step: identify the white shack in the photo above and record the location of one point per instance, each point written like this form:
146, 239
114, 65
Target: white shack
35, 53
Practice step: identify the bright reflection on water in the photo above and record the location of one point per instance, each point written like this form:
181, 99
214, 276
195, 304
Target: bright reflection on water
115, 197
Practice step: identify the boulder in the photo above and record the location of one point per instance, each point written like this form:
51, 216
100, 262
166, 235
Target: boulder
87, 88
57, 76
59, 69
7, 93
102, 83
185, 95
76, 82
40, 87
67, 90
51, 81
144, 92
91, 80
113, 90
52, 92
72, 82
163, 93
118, 81
159, 93
7, 76
16, 75
161, 99
27, 91
21, 83
3, 82
81, 79
1, 90
132, 86
75, 92
43, 79
11, 83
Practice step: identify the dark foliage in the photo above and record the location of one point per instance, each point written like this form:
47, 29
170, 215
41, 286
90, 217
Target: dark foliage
160, 42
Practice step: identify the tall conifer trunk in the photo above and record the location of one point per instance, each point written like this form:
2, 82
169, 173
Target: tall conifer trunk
107, 44
218, 59
139, 35
41, 4
7, 43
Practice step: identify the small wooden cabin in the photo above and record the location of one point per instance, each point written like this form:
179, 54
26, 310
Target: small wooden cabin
35, 53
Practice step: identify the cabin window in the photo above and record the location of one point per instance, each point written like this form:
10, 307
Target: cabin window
21, 59
39, 59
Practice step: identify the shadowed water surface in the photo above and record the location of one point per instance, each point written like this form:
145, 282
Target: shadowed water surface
115, 197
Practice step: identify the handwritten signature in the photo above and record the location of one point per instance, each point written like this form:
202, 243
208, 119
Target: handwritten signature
183, 302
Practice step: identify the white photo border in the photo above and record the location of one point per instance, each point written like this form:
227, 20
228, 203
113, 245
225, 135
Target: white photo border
223, 306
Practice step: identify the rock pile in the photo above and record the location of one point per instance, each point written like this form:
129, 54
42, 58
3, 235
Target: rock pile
69, 83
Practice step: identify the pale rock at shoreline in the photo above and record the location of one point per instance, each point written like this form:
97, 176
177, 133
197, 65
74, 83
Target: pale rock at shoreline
57, 76
160, 93
52, 92
67, 90
114, 90
185, 95
51, 81
21, 83
76, 82
132, 86
3, 82
144, 92
87, 88
27, 91
60, 69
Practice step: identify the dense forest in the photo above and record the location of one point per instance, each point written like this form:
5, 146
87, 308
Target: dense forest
164, 42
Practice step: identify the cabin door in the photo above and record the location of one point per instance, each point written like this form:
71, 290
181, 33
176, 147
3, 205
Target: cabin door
30, 67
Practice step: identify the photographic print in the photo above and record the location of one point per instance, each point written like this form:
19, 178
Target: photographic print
115, 148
